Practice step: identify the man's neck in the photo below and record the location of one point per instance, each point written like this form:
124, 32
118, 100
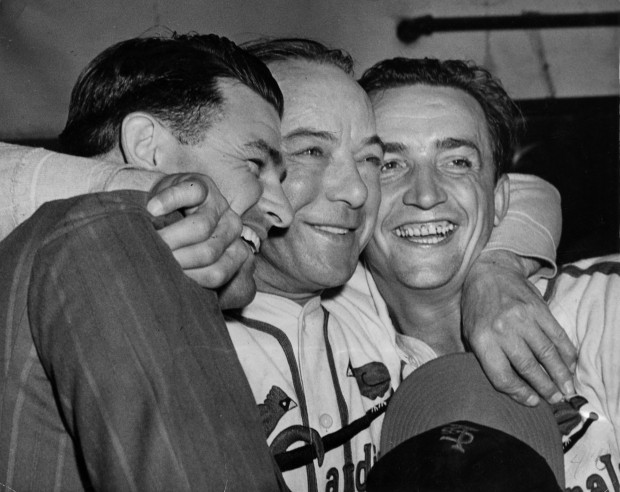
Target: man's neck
433, 315
271, 280
300, 298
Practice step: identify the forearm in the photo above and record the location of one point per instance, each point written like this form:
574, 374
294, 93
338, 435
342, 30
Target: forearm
525, 266
31, 177
532, 227
505, 320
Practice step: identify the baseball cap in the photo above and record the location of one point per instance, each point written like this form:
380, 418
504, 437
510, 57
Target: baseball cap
447, 429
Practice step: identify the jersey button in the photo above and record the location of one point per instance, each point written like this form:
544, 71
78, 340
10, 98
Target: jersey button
326, 421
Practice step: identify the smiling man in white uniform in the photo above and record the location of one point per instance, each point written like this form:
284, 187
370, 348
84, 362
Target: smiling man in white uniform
445, 126
320, 373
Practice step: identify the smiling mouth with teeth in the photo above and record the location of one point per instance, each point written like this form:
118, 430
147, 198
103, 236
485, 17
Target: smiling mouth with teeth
427, 233
251, 239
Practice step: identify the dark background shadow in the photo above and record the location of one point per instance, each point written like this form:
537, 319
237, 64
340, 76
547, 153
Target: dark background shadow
573, 144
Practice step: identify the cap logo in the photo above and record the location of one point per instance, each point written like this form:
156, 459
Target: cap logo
460, 435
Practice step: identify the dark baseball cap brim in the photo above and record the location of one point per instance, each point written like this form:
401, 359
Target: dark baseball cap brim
454, 388
462, 457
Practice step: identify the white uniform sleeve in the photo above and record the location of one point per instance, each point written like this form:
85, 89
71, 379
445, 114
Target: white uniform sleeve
533, 224
31, 177
586, 302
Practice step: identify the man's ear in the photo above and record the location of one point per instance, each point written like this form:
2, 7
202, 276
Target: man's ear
142, 138
502, 199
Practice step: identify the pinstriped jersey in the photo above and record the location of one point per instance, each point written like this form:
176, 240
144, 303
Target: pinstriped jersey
117, 373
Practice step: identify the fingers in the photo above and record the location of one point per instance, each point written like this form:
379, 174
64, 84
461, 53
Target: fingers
209, 253
560, 340
498, 369
543, 356
529, 364
526, 367
223, 269
180, 193
199, 239
566, 350
206, 242
507, 324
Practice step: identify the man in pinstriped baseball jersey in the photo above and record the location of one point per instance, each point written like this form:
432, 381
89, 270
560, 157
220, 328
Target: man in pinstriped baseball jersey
117, 370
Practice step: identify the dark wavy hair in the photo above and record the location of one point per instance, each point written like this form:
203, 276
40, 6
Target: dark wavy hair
173, 78
502, 115
283, 49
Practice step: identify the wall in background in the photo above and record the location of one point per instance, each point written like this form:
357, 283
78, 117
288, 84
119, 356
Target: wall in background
44, 44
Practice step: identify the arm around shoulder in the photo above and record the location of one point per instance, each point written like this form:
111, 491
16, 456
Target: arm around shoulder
33, 176
532, 226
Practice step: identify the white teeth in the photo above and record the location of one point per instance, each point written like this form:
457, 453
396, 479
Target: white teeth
251, 239
332, 230
439, 230
428, 239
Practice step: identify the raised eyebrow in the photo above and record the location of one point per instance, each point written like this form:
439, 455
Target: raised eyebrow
309, 132
263, 146
455, 143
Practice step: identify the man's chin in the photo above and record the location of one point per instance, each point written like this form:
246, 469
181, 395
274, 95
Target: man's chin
240, 290
233, 296
335, 275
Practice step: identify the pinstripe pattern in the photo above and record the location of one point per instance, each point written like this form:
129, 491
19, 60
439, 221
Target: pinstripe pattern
118, 371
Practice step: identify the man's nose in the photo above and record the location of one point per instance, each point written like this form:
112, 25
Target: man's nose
425, 189
344, 182
275, 206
